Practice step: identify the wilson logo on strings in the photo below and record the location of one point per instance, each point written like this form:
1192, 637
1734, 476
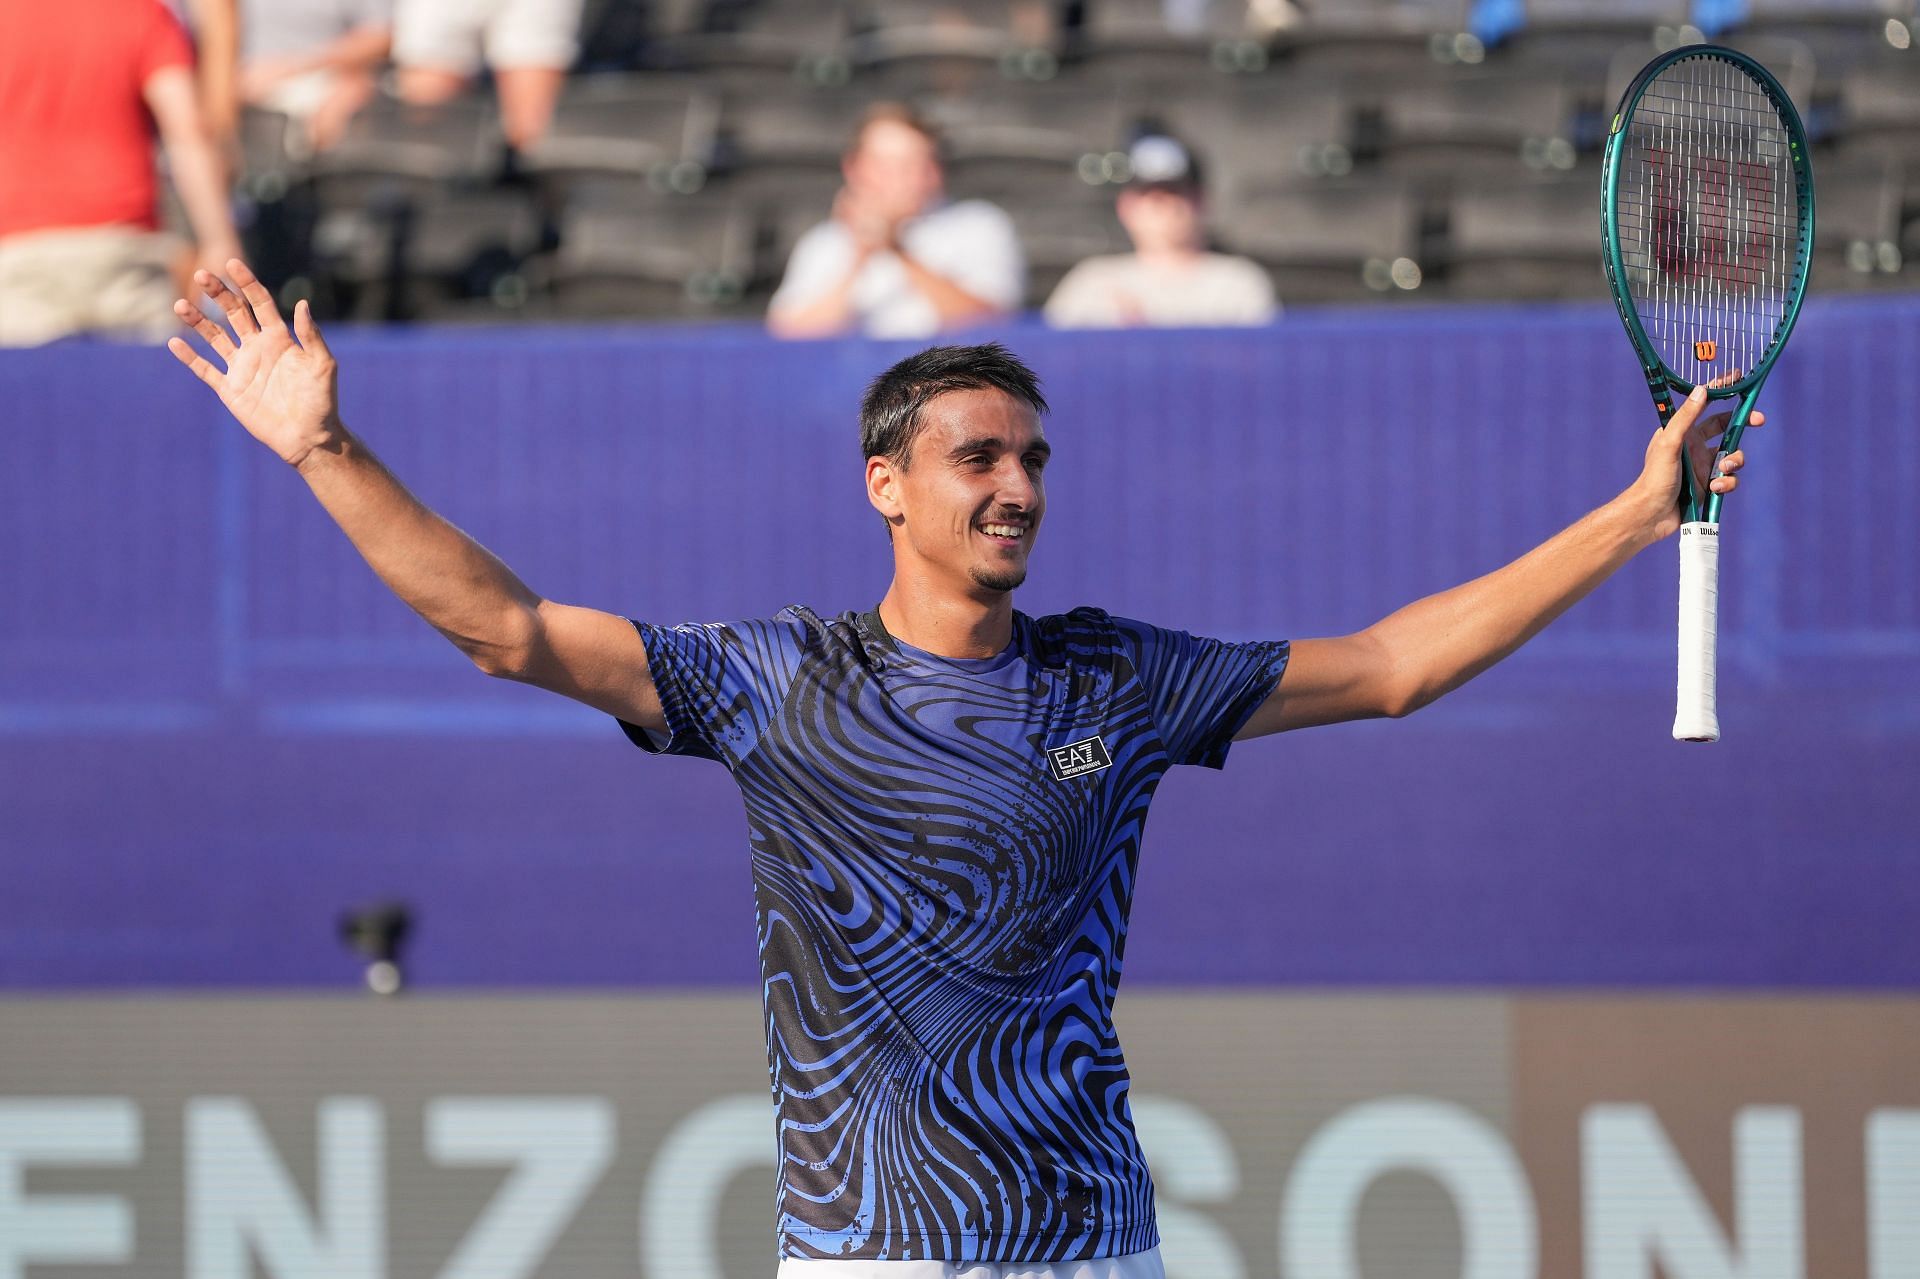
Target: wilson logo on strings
1076, 759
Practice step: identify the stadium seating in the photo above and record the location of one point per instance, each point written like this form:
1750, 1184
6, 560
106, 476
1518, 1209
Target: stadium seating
1342, 141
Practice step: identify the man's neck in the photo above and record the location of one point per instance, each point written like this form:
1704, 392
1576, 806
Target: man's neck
947, 624
1171, 259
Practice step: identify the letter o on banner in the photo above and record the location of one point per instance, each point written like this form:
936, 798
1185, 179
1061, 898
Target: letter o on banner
1468, 1156
681, 1199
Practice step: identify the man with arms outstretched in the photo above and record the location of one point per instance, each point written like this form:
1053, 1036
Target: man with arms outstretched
945, 796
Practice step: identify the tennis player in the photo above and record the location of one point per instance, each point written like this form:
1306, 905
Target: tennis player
945, 795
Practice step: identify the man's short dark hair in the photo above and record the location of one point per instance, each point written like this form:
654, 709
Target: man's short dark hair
890, 411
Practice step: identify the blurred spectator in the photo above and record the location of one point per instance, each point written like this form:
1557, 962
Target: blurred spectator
314, 60
1170, 279
216, 39
896, 259
440, 45
80, 98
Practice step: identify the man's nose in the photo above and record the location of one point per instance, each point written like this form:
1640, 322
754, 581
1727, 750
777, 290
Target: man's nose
1016, 485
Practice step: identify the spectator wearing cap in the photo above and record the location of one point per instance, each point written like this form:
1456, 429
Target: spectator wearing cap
82, 94
1171, 279
896, 259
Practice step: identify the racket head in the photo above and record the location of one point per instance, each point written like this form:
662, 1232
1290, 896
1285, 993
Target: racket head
1707, 219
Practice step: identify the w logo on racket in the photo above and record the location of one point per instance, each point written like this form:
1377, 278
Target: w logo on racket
1713, 219
1705, 351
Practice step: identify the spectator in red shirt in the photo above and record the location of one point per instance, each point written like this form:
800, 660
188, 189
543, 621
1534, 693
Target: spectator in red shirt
82, 94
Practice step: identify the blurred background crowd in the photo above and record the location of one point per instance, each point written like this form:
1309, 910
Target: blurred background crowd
897, 168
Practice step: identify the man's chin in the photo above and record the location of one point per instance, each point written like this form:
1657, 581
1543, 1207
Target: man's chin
1000, 579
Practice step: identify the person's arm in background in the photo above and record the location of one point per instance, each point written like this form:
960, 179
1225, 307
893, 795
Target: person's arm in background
361, 49
216, 34
286, 394
815, 298
988, 273
199, 173
955, 304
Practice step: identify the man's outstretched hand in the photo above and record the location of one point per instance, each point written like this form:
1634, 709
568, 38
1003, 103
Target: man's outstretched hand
1686, 434
284, 392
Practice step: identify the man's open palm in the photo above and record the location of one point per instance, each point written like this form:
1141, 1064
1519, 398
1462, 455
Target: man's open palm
285, 393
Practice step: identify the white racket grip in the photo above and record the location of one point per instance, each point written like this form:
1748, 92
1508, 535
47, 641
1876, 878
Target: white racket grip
1695, 718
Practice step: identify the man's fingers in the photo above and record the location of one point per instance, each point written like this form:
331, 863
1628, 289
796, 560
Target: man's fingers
216, 336
183, 351
1674, 433
239, 314
257, 293
306, 330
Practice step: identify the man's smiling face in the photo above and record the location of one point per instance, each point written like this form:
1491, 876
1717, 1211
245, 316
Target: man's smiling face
970, 501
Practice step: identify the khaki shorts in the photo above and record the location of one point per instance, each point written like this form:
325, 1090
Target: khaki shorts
112, 281
462, 35
1138, 1265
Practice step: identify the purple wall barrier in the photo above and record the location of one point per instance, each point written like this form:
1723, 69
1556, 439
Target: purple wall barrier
216, 729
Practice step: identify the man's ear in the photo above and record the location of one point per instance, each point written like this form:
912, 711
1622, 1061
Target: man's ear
883, 488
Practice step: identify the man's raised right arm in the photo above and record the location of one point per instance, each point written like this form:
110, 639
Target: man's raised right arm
284, 394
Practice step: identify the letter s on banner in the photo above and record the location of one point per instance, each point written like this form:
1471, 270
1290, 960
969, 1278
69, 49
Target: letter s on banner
1193, 1162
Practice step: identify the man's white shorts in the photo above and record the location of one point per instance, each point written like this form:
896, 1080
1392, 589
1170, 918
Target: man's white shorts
458, 35
1138, 1265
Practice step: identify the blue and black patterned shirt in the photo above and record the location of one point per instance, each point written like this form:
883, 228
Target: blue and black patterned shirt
944, 854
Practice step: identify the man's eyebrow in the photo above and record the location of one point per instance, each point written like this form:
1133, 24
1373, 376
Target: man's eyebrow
993, 444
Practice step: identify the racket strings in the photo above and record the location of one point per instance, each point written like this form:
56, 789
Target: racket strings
1708, 217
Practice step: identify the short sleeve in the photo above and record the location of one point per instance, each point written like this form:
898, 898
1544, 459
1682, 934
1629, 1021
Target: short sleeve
1086, 297
164, 43
986, 260
820, 259
1248, 297
720, 684
1201, 691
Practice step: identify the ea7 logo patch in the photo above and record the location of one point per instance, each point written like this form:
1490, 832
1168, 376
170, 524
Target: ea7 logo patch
1076, 759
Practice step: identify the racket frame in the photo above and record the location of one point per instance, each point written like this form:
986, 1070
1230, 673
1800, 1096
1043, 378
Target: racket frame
1696, 717
1662, 381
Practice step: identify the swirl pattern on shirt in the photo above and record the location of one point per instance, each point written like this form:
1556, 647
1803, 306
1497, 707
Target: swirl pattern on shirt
941, 921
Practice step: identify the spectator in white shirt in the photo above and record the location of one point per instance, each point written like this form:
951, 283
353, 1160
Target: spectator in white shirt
1170, 280
314, 60
895, 259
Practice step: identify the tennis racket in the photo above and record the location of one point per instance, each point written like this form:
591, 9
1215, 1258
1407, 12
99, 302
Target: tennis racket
1706, 228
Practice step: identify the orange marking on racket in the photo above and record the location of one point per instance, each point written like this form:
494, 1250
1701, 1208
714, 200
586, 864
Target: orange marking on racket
1705, 351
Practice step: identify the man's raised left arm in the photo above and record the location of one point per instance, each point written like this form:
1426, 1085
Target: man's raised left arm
1434, 645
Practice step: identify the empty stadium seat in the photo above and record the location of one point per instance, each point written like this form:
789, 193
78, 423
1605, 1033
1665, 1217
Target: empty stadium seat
1375, 38
463, 253
688, 259
762, 42
1857, 230
390, 142
1057, 234
658, 134
1259, 131
1030, 134
1881, 108
1336, 240
1501, 118
794, 130
1537, 239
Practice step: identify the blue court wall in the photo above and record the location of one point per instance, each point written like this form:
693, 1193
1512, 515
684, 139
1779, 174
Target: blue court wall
217, 729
